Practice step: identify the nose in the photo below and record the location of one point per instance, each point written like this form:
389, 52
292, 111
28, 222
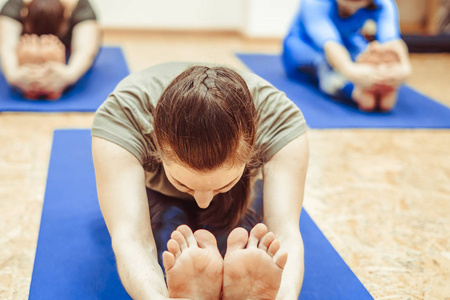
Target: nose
203, 199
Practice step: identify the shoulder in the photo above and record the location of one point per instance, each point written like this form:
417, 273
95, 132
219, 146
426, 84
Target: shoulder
383, 4
13, 9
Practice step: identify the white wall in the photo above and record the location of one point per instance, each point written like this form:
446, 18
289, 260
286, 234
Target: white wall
259, 18
269, 18
171, 14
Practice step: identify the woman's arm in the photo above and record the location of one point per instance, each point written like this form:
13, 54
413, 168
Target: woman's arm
284, 182
10, 31
85, 46
123, 201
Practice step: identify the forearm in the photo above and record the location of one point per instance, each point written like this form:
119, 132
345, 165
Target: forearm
291, 282
339, 58
139, 270
10, 67
85, 46
10, 31
284, 181
400, 47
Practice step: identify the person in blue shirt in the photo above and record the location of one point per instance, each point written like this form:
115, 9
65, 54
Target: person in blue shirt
352, 47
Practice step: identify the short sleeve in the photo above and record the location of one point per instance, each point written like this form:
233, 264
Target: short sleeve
83, 12
319, 26
12, 9
121, 119
279, 120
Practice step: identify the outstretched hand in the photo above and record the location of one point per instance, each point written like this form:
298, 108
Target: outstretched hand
46, 80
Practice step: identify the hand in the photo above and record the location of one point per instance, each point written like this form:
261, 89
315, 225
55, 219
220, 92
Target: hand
395, 74
366, 75
57, 76
28, 79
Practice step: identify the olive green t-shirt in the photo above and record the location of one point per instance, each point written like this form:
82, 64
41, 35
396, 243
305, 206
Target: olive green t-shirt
126, 118
82, 12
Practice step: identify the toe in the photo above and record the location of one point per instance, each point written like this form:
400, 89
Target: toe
188, 235
168, 260
205, 239
281, 260
237, 239
256, 235
274, 247
266, 241
179, 238
174, 247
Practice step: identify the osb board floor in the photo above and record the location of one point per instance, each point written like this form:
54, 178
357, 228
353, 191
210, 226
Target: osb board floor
382, 197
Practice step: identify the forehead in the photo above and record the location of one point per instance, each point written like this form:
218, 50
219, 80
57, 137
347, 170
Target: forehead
207, 180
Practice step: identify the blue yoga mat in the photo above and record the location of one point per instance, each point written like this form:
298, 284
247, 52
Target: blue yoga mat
413, 110
85, 96
74, 258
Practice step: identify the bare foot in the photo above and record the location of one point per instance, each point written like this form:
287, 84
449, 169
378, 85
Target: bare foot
193, 265
388, 100
252, 272
28, 50
366, 99
52, 49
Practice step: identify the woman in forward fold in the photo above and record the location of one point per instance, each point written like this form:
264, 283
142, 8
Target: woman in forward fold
189, 160
352, 47
36, 36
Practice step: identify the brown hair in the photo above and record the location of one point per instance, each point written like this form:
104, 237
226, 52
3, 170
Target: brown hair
44, 17
204, 119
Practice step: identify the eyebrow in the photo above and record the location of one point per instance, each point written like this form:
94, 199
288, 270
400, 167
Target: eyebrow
225, 186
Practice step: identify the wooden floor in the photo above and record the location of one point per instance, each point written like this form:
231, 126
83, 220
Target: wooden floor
382, 197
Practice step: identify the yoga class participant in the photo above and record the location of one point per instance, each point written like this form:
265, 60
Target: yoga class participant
201, 169
36, 36
352, 47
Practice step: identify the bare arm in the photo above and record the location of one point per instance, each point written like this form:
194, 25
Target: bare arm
399, 73
284, 182
360, 74
123, 201
365, 75
10, 31
85, 45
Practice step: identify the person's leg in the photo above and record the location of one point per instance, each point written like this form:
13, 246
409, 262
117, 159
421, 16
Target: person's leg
384, 97
388, 100
366, 99
299, 57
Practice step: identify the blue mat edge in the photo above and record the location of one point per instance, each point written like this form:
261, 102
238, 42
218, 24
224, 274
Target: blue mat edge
78, 110
380, 127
